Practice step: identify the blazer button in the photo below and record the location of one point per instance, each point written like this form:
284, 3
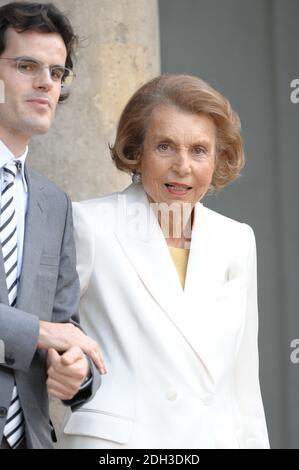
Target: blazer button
207, 399
9, 361
171, 395
3, 412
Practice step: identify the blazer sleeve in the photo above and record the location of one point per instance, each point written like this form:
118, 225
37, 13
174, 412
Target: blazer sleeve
84, 241
252, 428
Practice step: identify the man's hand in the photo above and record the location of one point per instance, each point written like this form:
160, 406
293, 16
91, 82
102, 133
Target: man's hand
64, 336
66, 373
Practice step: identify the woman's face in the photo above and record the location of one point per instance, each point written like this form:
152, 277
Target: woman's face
178, 156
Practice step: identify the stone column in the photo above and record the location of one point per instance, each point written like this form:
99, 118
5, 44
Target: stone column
119, 51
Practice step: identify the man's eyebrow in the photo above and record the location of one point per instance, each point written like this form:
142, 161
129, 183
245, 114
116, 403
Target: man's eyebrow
32, 59
26, 57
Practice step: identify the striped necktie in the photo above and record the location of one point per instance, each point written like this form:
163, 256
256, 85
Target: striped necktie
14, 430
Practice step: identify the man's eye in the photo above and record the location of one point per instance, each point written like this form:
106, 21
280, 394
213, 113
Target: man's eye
57, 73
26, 66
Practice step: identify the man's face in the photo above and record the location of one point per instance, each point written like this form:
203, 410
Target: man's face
30, 102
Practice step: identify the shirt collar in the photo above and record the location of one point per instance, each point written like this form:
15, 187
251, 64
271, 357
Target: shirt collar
6, 155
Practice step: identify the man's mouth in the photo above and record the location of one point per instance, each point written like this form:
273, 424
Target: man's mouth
40, 101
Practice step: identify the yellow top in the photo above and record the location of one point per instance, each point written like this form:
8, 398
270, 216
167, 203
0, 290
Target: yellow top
180, 258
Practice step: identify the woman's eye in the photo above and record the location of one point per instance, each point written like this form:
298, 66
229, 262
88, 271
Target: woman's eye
163, 147
199, 151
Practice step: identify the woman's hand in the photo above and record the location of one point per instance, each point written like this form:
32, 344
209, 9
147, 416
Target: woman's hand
64, 336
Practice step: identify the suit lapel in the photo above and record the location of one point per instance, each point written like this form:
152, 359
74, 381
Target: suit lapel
33, 240
3, 286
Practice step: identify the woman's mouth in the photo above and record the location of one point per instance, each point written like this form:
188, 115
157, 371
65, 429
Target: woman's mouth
177, 188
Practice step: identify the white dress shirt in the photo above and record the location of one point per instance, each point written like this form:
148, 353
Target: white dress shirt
21, 195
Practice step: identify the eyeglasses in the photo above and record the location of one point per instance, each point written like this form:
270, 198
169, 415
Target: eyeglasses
33, 68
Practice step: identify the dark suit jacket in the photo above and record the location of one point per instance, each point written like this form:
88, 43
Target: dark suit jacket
48, 290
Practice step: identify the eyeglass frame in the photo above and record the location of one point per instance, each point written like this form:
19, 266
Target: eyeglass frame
42, 66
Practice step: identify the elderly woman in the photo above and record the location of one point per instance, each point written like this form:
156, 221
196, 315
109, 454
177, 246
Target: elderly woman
168, 287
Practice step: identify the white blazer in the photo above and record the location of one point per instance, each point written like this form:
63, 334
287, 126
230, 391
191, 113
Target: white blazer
182, 364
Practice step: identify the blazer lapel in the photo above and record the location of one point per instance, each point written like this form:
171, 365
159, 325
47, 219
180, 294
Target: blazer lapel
152, 261
205, 273
33, 240
144, 244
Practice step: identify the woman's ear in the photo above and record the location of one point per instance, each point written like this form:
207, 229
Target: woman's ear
138, 161
136, 177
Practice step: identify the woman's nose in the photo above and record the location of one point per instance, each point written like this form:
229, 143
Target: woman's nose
182, 164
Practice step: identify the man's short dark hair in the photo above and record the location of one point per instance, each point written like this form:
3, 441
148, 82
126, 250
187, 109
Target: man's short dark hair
40, 17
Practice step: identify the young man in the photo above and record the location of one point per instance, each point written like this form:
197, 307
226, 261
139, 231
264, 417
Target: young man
39, 290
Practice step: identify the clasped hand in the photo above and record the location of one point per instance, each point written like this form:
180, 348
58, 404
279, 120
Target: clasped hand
68, 371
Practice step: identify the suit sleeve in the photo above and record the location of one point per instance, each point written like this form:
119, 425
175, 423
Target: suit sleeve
66, 301
66, 305
20, 330
252, 428
84, 241
19, 335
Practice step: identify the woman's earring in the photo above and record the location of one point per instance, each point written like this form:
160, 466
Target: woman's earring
136, 177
